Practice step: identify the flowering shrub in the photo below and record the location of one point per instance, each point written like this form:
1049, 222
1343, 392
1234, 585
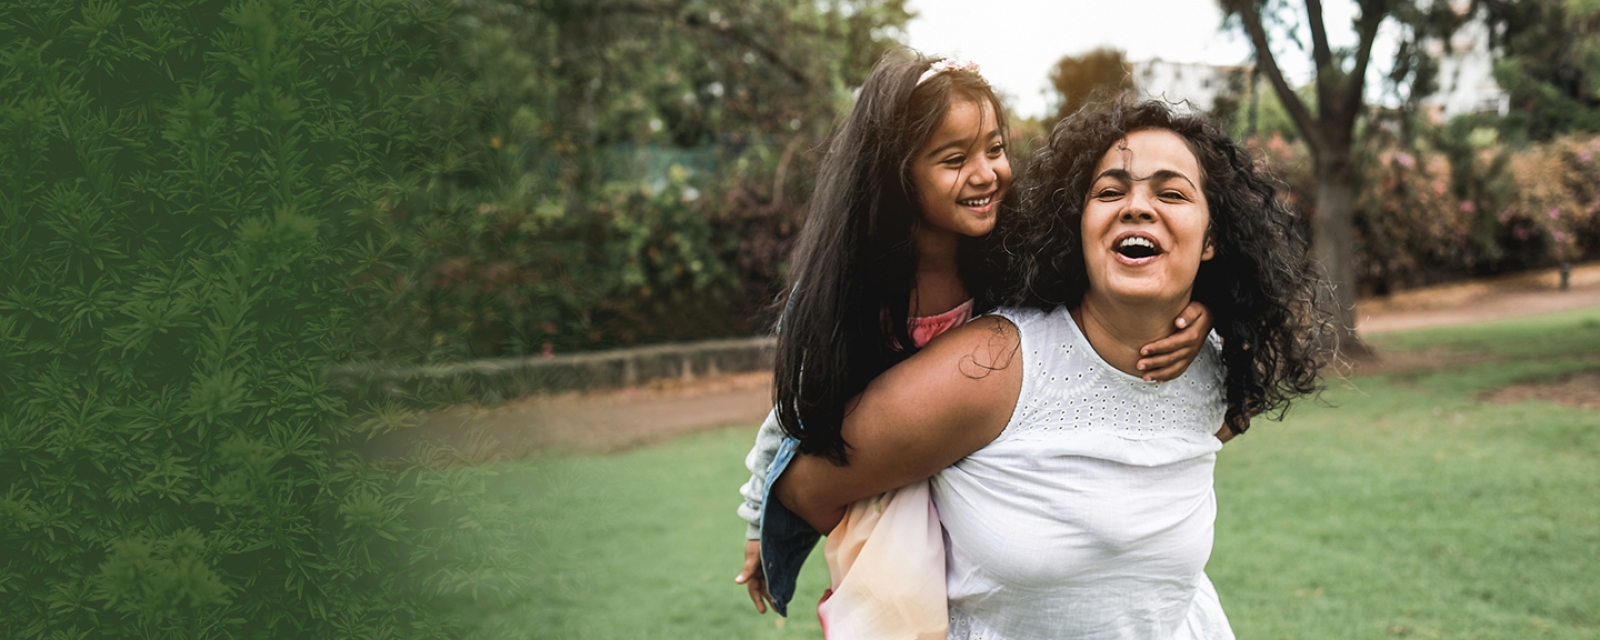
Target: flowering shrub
1425, 215
1557, 201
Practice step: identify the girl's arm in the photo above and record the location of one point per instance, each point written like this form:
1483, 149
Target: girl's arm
1169, 357
757, 461
921, 416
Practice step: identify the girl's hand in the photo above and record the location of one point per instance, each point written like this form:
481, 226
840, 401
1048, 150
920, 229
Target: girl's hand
1169, 357
752, 577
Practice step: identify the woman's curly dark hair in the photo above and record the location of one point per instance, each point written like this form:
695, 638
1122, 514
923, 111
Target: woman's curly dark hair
1262, 287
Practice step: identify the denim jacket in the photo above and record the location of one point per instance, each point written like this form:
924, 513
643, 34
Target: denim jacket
786, 539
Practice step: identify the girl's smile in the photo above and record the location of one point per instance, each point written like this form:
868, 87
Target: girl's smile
962, 173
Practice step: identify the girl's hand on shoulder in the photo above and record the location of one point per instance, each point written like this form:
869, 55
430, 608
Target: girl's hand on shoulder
1169, 357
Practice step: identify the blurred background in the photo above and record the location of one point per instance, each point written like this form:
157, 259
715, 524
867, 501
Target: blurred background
208, 205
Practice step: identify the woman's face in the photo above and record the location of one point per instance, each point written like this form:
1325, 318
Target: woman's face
1145, 220
961, 173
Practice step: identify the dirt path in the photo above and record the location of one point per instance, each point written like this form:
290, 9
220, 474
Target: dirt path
610, 421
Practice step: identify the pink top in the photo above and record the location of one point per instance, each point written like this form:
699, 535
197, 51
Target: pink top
924, 329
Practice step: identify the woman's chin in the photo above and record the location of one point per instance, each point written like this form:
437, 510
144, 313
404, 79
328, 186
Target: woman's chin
1150, 291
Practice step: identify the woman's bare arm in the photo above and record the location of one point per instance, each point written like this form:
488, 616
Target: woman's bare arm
921, 416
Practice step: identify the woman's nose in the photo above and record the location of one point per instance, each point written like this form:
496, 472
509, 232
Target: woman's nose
1137, 208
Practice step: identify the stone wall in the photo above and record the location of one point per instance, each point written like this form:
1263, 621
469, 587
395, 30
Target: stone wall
497, 380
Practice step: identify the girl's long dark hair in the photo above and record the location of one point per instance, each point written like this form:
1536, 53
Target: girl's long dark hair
1270, 305
852, 275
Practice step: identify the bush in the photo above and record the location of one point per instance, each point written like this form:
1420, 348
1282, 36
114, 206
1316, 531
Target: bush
190, 191
617, 176
1457, 203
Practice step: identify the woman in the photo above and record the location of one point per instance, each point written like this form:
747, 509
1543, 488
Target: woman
1076, 497
894, 251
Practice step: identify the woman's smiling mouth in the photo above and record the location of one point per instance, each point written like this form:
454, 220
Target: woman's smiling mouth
1136, 249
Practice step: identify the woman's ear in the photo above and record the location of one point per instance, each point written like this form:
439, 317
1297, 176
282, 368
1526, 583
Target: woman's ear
1211, 247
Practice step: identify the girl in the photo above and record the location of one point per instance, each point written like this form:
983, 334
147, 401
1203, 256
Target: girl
893, 253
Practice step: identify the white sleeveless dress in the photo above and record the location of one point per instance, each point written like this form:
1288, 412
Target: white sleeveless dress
1091, 515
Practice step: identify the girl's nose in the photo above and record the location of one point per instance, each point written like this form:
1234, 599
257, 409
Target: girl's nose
984, 173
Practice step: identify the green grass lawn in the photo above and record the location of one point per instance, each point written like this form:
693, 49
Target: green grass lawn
1402, 505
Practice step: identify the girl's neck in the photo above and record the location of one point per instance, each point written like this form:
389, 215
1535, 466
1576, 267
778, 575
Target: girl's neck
936, 286
1117, 331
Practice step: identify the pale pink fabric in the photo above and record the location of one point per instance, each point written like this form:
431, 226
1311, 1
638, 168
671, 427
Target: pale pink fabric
924, 329
886, 558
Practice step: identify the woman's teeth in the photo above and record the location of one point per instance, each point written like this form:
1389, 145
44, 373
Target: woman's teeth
975, 203
1136, 247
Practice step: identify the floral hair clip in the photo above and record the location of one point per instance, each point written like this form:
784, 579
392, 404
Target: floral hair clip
950, 64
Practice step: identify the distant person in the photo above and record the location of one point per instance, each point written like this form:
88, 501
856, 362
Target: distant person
1076, 497
891, 256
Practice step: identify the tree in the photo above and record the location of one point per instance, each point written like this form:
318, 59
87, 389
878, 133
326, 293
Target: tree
1548, 62
1327, 124
1102, 72
627, 170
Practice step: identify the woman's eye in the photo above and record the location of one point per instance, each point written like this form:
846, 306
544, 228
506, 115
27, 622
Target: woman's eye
1105, 194
1174, 195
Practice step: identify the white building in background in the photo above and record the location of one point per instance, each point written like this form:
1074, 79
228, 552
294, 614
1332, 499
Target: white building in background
1197, 83
1466, 75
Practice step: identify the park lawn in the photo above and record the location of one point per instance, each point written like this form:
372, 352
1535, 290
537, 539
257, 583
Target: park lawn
1400, 506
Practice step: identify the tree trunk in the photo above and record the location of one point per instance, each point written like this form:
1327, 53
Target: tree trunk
1335, 246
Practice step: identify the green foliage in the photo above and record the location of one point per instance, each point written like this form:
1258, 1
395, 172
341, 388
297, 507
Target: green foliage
1548, 62
1100, 73
187, 194
618, 173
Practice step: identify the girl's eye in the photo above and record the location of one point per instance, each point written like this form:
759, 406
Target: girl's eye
997, 150
955, 161
1108, 193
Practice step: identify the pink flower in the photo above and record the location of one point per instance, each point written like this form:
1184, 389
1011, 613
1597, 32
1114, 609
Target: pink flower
1468, 206
1555, 213
549, 351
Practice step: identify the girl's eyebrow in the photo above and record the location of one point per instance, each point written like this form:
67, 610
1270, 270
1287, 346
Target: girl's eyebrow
960, 142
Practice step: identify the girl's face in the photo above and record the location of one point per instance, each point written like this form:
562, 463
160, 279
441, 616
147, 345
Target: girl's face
1145, 219
961, 173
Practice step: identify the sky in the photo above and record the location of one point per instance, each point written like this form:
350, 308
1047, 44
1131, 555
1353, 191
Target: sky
1017, 41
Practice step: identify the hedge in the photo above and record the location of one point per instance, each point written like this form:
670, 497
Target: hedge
187, 192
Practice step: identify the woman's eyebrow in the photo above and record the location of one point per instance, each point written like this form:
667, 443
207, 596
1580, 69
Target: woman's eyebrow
1160, 175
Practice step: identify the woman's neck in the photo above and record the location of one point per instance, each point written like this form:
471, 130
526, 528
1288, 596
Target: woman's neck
936, 286
1117, 330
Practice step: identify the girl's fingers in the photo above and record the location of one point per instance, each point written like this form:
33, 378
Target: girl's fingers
758, 594
1158, 362
1190, 315
1166, 366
